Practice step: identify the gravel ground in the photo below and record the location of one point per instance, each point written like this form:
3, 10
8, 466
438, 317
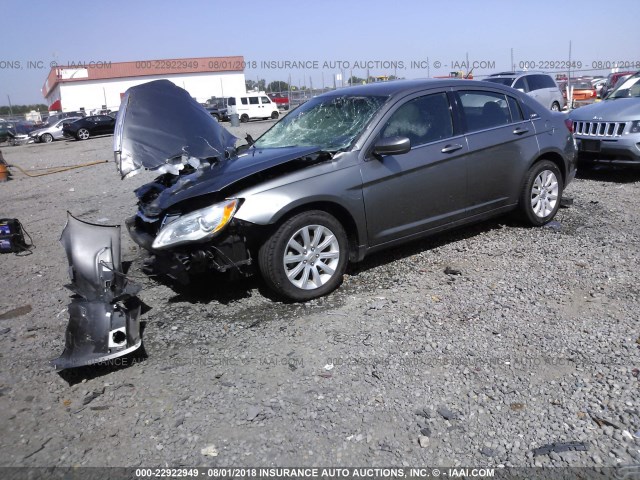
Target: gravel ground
531, 338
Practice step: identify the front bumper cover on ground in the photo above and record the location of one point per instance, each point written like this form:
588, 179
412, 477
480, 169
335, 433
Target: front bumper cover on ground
104, 317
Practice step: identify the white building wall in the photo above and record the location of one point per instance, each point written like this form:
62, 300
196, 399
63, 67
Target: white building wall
92, 94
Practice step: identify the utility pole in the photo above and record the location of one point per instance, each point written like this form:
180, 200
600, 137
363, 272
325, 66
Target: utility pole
10, 109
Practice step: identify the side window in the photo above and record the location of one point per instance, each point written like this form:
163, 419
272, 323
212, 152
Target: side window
244, 101
231, 101
521, 84
254, 101
484, 110
516, 111
265, 100
536, 82
423, 120
548, 82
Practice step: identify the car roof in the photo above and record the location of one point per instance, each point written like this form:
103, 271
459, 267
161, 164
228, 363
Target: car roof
397, 87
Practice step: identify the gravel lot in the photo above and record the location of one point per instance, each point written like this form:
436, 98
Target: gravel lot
531, 338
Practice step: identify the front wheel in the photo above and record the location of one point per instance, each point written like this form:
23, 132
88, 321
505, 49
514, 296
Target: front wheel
83, 134
274, 115
244, 118
555, 107
46, 138
541, 193
305, 257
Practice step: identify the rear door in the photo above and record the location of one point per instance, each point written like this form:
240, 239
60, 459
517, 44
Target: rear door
407, 194
502, 143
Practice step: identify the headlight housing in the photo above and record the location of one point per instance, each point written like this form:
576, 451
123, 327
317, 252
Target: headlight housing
635, 126
197, 225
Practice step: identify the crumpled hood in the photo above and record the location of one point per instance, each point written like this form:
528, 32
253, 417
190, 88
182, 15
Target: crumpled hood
620, 109
158, 122
210, 179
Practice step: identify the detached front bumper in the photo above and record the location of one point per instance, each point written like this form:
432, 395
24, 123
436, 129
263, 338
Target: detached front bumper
228, 251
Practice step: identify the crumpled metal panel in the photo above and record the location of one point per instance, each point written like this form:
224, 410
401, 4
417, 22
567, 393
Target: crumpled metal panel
104, 320
93, 252
99, 331
159, 122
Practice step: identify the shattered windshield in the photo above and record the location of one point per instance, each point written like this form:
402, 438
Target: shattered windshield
629, 88
330, 123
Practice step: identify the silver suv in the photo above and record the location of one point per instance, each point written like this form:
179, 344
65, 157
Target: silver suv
540, 86
609, 131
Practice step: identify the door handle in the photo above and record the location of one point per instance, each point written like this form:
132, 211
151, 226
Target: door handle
451, 148
520, 131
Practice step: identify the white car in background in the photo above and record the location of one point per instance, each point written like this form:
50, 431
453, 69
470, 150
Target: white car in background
538, 85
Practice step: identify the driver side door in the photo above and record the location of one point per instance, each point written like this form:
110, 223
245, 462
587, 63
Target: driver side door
407, 194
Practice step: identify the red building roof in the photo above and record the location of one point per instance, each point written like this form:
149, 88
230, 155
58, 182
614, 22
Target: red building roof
142, 68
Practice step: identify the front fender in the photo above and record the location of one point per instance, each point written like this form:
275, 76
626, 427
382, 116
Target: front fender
341, 189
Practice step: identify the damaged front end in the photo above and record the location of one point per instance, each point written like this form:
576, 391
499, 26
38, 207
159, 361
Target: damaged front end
104, 315
187, 216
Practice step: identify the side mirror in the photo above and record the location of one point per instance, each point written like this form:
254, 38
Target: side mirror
392, 146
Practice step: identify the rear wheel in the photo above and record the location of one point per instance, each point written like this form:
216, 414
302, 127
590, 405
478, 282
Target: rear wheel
46, 138
305, 257
541, 193
83, 134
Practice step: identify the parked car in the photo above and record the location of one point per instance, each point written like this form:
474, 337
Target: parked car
51, 132
540, 86
280, 99
16, 132
348, 173
610, 84
251, 106
89, 126
220, 113
51, 119
598, 83
609, 131
582, 93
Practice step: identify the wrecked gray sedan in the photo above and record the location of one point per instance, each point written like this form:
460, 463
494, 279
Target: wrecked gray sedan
348, 173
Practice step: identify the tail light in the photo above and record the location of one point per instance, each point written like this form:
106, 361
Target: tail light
569, 124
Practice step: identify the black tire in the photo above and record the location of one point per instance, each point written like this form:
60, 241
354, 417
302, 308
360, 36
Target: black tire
244, 118
555, 107
46, 138
274, 115
271, 256
540, 209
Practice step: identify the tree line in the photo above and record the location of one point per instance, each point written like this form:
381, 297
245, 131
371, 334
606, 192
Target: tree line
21, 109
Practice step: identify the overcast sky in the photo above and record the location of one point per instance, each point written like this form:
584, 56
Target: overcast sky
400, 31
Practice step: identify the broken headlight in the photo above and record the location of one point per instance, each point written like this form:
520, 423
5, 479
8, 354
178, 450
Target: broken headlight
196, 225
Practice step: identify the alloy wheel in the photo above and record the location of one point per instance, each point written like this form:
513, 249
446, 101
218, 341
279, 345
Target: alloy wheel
311, 257
544, 193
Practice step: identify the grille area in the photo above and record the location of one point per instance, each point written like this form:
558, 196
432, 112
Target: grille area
598, 129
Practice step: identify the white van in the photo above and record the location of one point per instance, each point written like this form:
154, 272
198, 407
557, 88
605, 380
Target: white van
252, 105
